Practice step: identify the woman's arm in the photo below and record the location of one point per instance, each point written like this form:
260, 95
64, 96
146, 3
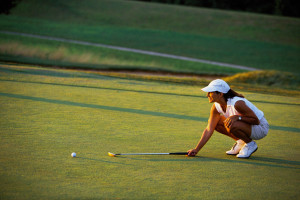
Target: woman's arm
208, 131
247, 115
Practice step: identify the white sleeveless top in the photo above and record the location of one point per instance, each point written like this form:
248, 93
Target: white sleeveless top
230, 110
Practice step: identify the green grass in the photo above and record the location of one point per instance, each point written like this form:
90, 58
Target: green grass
25, 50
141, 15
47, 114
259, 41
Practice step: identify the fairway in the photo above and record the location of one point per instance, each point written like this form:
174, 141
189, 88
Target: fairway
80, 31
46, 114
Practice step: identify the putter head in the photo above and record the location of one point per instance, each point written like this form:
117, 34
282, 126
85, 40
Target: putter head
111, 154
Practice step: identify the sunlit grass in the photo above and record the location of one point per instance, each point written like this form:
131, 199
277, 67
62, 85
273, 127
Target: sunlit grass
41, 126
270, 78
259, 81
51, 53
72, 55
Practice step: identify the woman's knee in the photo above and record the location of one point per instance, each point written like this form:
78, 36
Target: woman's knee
233, 128
220, 128
238, 127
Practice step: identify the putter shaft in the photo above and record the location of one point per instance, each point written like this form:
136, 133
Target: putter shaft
131, 154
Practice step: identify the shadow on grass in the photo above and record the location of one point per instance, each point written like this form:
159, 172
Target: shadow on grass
73, 74
104, 88
103, 161
255, 160
128, 110
52, 73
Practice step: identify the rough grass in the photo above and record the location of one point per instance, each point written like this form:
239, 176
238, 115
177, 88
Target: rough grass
26, 50
61, 53
268, 78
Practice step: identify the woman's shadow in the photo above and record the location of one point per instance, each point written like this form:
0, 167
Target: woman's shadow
254, 160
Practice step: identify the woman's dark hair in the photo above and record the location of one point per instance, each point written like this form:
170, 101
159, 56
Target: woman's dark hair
231, 93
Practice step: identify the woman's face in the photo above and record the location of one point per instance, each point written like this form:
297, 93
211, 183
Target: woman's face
213, 96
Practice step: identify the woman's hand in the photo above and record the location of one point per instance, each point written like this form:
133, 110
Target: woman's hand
192, 152
230, 120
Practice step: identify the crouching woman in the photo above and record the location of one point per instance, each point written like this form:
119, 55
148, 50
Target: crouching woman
234, 116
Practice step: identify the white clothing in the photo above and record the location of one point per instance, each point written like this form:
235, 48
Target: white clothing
261, 130
230, 110
257, 131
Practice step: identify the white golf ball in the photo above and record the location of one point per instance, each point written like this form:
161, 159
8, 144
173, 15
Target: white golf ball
73, 154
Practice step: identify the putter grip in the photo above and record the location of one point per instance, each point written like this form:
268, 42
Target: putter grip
179, 153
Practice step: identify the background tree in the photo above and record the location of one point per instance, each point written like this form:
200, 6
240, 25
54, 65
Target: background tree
7, 5
274, 7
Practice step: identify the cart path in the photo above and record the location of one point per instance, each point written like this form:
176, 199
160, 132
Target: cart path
152, 53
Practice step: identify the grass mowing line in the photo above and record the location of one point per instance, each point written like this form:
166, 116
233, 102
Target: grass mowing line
142, 91
130, 110
152, 53
108, 88
282, 128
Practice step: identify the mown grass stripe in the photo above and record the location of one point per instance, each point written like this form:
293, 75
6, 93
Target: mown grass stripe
112, 108
140, 91
107, 88
129, 110
139, 51
282, 128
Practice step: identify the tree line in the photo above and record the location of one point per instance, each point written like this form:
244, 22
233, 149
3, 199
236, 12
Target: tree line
289, 8
7, 5
274, 7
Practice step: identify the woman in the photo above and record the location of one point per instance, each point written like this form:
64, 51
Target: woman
234, 116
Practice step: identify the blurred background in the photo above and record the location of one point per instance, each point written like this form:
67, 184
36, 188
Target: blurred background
198, 37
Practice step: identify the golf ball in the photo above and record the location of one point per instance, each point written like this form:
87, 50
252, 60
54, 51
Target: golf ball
73, 154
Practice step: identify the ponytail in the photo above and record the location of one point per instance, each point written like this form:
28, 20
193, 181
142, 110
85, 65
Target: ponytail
231, 93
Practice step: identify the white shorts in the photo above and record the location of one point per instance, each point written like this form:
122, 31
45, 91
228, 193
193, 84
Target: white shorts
260, 131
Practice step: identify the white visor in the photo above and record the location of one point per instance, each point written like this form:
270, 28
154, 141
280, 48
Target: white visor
217, 85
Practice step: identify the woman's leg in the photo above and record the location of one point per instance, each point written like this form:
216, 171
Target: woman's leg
239, 143
240, 130
243, 131
221, 129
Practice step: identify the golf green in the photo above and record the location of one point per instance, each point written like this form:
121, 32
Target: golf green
46, 114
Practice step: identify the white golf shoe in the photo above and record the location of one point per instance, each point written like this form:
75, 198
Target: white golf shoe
236, 148
247, 150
